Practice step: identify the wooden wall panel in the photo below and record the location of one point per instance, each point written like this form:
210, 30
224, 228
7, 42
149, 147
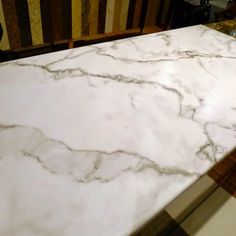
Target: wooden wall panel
61, 19
160, 12
152, 10
117, 16
93, 16
137, 13
85, 17
165, 12
110, 15
130, 14
35, 21
9, 9
102, 16
4, 44
76, 18
124, 14
46, 17
23, 22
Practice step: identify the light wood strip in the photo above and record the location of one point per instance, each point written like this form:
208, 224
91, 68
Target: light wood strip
76, 19
110, 15
124, 14
117, 16
35, 22
93, 17
4, 44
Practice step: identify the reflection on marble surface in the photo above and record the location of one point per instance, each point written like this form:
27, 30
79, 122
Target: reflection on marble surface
97, 140
227, 27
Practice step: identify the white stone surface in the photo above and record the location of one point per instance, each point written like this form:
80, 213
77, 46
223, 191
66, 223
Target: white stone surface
97, 140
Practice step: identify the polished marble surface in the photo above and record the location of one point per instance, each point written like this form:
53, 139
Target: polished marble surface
97, 140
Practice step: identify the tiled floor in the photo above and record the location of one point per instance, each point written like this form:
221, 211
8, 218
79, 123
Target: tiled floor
216, 216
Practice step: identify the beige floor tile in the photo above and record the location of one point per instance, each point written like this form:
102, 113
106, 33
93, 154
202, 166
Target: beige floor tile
191, 198
216, 216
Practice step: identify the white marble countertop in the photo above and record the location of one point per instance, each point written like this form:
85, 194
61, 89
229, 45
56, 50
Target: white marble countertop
97, 140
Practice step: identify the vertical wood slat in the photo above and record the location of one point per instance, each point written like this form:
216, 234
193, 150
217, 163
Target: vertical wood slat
102, 16
117, 15
137, 13
93, 17
164, 17
152, 10
23, 22
160, 12
76, 19
143, 15
85, 9
61, 19
124, 14
4, 44
35, 21
109, 15
9, 9
130, 14
46, 17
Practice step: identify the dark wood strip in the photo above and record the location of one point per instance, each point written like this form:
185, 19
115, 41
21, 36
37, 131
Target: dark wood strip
165, 14
102, 16
85, 17
224, 173
9, 9
161, 225
160, 12
152, 10
23, 22
130, 14
46, 17
137, 13
61, 19
143, 15
117, 15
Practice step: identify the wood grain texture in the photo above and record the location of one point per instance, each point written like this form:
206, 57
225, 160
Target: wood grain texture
224, 173
61, 19
130, 17
137, 13
152, 10
160, 12
35, 21
93, 16
117, 15
4, 43
46, 18
10, 15
85, 9
76, 19
23, 22
166, 9
102, 16
110, 15
124, 14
